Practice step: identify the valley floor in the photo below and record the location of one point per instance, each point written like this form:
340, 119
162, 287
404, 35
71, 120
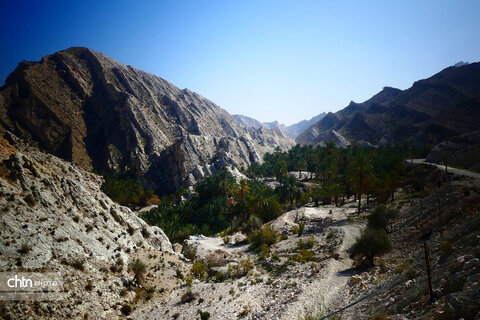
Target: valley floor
300, 290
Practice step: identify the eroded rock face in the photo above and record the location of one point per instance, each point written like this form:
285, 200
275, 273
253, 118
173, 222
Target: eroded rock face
84, 107
55, 218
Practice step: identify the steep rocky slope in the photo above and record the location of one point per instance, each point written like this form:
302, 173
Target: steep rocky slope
55, 218
247, 121
432, 110
84, 107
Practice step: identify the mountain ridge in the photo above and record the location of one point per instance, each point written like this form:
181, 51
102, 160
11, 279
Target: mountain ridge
92, 110
430, 111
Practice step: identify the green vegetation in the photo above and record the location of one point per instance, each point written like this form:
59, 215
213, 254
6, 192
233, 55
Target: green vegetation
339, 172
372, 243
218, 203
381, 217
264, 236
127, 191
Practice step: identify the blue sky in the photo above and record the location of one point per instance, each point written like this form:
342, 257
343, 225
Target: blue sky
272, 60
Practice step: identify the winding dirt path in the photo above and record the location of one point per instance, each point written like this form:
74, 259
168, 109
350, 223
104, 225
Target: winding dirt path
330, 291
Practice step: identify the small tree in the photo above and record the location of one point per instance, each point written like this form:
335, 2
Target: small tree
372, 243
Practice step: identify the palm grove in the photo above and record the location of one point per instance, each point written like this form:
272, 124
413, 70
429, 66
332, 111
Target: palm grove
333, 175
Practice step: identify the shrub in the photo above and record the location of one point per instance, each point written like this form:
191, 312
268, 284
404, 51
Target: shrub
295, 229
264, 251
446, 248
307, 244
199, 270
117, 266
187, 297
145, 233
226, 240
89, 286
330, 235
304, 256
78, 264
126, 309
247, 265
301, 228
266, 235
372, 243
253, 223
379, 316
126, 191
138, 268
204, 315
189, 252
24, 249
381, 216
404, 266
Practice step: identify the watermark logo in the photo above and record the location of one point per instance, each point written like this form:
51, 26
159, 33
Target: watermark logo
31, 286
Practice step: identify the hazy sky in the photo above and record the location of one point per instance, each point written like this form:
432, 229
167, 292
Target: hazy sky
271, 60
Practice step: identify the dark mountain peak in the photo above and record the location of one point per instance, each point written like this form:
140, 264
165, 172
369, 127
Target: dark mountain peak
448, 99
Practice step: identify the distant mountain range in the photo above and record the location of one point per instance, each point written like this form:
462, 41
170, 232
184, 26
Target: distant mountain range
292, 131
431, 111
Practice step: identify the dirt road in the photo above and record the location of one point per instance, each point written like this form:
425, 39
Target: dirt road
456, 171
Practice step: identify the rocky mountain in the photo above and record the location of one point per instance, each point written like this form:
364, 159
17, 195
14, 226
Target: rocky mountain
247, 121
91, 110
431, 111
298, 128
55, 218
292, 131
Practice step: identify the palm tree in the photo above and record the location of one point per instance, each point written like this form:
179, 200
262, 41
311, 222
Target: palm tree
361, 170
289, 188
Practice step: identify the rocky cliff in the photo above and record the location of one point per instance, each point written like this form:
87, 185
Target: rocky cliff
91, 110
431, 111
55, 218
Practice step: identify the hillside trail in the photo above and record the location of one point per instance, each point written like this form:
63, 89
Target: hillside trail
330, 291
